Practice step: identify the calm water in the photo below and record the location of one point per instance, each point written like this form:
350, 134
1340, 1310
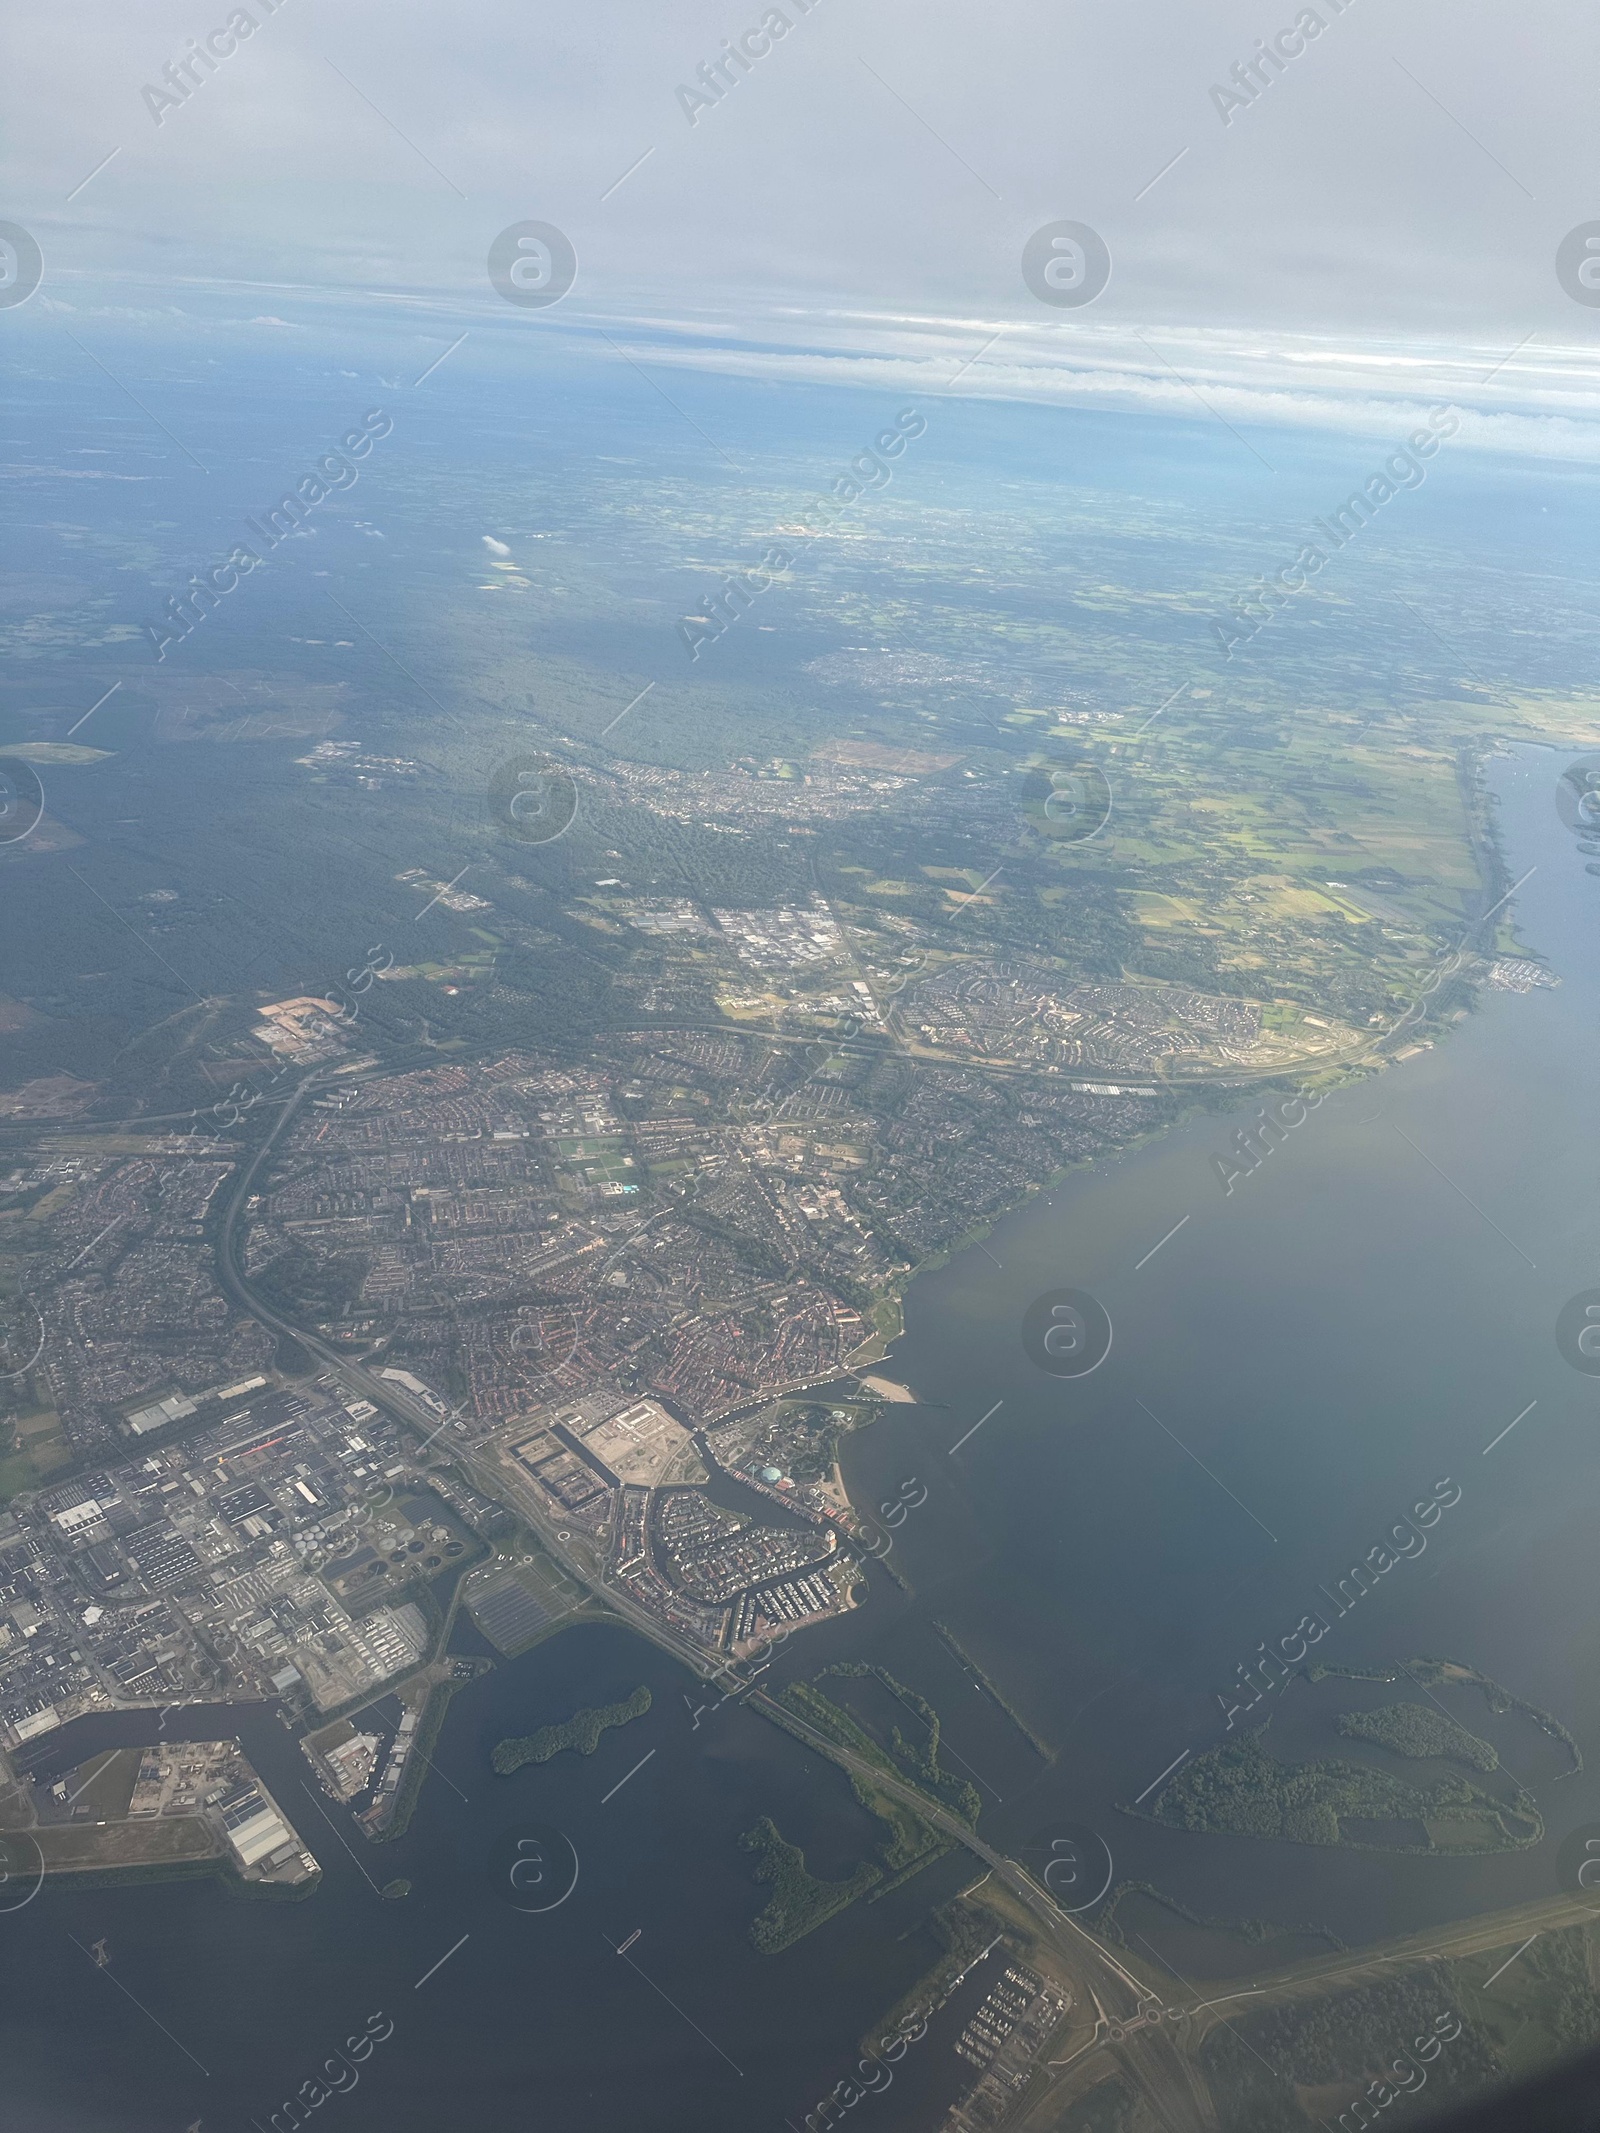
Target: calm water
1327, 1343
531, 2008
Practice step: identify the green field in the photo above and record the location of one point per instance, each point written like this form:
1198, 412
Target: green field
39, 1449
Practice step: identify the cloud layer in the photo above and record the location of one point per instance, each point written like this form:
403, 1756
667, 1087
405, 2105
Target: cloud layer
1303, 226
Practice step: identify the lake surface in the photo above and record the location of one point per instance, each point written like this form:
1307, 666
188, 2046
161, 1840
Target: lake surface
1290, 1372
1354, 1323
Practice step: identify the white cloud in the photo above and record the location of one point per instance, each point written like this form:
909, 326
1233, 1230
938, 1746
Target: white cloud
1540, 402
1390, 202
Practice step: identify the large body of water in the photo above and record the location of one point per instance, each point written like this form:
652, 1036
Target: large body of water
1354, 1323
1289, 1374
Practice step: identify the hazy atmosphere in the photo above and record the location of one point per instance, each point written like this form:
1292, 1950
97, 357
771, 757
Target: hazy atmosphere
799, 856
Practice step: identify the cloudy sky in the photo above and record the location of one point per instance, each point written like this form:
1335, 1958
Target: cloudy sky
1376, 215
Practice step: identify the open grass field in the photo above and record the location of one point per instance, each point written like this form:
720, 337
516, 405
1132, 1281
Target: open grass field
163, 1841
40, 1449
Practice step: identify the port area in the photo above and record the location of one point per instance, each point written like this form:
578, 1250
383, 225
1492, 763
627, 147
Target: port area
373, 1760
176, 1805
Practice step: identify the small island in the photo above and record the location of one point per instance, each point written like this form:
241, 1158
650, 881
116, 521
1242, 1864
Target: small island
799, 1902
1451, 1673
1239, 1790
581, 1731
1416, 1729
